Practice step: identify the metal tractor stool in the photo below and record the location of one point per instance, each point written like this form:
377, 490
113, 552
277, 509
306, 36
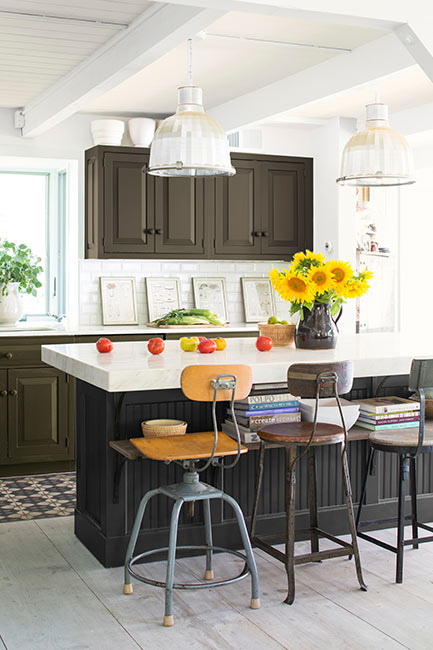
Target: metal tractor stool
203, 384
309, 380
408, 444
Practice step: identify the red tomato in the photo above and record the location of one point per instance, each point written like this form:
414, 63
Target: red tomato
201, 339
156, 346
264, 343
104, 345
207, 346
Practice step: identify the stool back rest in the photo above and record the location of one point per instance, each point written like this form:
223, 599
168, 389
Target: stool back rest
217, 384
302, 379
420, 380
196, 382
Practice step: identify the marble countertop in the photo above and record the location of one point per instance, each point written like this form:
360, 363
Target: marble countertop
41, 329
131, 367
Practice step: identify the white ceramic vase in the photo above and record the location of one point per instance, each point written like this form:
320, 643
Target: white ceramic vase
107, 131
141, 130
11, 305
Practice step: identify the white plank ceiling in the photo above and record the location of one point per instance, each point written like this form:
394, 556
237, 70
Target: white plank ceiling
35, 53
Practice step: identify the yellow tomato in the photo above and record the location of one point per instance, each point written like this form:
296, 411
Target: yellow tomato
189, 344
220, 343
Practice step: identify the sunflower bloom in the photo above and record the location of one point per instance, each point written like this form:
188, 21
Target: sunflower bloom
355, 288
321, 279
316, 258
341, 272
275, 276
294, 287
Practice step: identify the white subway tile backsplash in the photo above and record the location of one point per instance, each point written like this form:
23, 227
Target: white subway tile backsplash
90, 271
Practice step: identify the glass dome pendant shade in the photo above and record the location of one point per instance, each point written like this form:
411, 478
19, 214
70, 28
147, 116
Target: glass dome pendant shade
190, 143
377, 155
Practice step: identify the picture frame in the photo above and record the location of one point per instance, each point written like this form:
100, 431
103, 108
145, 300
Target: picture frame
211, 293
258, 298
163, 295
119, 301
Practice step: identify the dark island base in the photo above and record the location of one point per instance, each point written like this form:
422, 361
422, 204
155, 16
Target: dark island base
109, 490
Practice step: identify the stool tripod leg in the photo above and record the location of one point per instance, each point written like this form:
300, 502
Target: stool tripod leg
209, 575
312, 498
290, 523
127, 586
349, 505
169, 580
259, 477
364, 485
255, 600
403, 475
413, 497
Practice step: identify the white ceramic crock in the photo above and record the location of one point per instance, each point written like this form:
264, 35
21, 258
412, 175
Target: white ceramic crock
107, 131
141, 130
11, 306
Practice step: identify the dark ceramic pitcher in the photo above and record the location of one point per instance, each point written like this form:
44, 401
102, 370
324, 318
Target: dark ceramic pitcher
318, 330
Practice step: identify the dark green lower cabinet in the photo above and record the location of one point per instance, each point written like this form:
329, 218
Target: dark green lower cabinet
38, 415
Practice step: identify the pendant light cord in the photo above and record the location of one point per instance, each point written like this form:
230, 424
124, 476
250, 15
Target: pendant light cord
189, 62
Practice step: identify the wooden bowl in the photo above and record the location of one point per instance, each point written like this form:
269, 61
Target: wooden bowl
283, 335
163, 428
428, 406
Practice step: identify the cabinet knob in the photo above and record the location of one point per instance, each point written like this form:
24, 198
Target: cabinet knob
265, 234
8, 355
257, 233
158, 231
3, 393
13, 392
150, 231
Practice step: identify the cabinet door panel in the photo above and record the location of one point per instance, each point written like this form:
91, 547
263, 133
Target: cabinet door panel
284, 209
37, 414
179, 215
3, 416
238, 211
127, 195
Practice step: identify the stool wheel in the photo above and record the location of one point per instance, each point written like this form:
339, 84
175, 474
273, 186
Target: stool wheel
209, 575
128, 589
168, 621
255, 603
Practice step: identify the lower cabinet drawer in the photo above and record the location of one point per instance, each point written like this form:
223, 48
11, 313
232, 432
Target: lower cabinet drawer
21, 354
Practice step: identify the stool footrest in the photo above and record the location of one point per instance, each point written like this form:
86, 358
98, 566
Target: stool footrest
189, 585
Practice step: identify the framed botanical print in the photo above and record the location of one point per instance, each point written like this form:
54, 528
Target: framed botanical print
163, 295
119, 301
210, 293
258, 299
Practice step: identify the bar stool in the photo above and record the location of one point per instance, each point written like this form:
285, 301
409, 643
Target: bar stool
204, 384
408, 444
309, 380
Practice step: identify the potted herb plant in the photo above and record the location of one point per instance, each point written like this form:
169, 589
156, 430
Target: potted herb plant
19, 270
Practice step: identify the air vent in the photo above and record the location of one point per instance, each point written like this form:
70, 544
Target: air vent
246, 139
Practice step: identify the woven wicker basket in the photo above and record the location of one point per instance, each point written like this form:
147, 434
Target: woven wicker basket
163, 428
280, 334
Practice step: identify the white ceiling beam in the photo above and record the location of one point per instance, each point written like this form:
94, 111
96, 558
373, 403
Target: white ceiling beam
154, 33
364, 65
385, 14
418, 39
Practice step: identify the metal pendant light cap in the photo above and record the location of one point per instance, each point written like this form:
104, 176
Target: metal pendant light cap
190, 98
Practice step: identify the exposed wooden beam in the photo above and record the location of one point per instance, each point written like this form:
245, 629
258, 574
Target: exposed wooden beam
155, 32
364, 65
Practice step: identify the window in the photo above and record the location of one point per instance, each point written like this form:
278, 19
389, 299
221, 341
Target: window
33, 212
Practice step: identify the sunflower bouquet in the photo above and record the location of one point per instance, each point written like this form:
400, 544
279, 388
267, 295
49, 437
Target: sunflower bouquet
310, 278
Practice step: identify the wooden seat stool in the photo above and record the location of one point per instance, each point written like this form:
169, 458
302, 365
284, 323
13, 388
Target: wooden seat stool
205, 384
408, 443
309, 380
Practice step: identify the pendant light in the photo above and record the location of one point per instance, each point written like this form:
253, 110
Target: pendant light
190, 143
377, 155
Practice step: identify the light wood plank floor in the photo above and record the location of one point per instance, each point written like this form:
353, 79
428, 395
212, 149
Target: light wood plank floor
55, 596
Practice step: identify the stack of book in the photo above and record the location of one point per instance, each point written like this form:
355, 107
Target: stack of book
378, 413
257, 411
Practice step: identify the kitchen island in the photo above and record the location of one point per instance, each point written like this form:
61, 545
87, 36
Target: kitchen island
116, 391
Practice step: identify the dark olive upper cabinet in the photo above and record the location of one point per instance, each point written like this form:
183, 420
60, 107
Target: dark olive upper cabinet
264, 211
237, 211
128, 223
179, 216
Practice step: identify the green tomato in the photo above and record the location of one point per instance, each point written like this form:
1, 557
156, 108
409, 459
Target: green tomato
272, 320
284, 322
